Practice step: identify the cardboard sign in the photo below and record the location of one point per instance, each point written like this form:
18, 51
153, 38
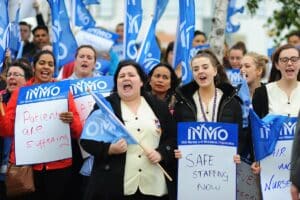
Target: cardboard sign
275, 169
206, 169
40, 136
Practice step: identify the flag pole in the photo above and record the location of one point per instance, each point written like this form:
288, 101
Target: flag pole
141, 145
2, 109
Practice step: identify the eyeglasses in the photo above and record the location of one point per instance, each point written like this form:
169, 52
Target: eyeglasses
285, 60
14, 74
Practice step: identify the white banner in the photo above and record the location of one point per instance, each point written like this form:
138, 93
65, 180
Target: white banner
40, 136
206, 169
275, 172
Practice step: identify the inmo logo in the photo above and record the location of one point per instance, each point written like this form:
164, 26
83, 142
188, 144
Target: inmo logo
207, 133
234, 77
82, 86
288, 129
42, 92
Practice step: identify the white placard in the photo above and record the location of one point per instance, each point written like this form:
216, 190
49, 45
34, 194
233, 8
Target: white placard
275, 172
275, 168
248, 186
206, 169
100, 44
84, 101
40, 136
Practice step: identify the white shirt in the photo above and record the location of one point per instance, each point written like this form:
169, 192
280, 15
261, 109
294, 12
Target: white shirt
280, 103
208, 111
139, 171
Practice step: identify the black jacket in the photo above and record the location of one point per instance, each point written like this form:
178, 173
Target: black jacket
260, 101
229, 110
108, 170
295, 161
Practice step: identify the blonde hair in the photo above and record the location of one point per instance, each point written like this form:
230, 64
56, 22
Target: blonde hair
260, 61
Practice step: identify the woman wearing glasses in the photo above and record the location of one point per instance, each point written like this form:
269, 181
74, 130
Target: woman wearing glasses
50, 178
281, 96
16, 76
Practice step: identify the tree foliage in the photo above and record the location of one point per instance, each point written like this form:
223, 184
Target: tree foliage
287, 17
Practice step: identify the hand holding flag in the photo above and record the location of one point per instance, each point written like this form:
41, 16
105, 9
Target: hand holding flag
103, 125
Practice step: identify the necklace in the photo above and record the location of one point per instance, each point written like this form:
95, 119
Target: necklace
214, 107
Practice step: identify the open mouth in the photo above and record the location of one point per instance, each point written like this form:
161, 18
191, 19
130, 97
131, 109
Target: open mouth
202, 78
84, 65
12, 84
45, 74
127, 87
289, 70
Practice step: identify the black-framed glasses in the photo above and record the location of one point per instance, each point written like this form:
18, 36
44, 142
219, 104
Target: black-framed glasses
285, 60
14, 74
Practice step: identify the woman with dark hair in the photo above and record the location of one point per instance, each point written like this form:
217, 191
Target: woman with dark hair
275, 73
235, 55
281, 96
128, 172
163, 82
209, 97
50, 178
16, 76
168, 56
199, 38
284, 80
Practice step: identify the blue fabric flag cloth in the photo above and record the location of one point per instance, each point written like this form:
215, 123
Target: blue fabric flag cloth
232, 10
240, 83
82, 15
265, 133
3, 30
132, 25
91, 2
64, 43
87, 166
184, 38
103, 125
149, 53
14, 37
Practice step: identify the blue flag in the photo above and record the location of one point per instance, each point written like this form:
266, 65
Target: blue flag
3, 30
184, 38
265, 133
82, 15
90, 2
194, 50
14, 37
232, 10
132, 25
240, 83
149, 53
102, 66
160, 7
103, 125
64, 43
244, 94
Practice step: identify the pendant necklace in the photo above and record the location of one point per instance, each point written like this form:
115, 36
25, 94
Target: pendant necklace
214, 107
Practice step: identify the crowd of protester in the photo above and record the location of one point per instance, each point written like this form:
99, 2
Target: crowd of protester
149, 106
